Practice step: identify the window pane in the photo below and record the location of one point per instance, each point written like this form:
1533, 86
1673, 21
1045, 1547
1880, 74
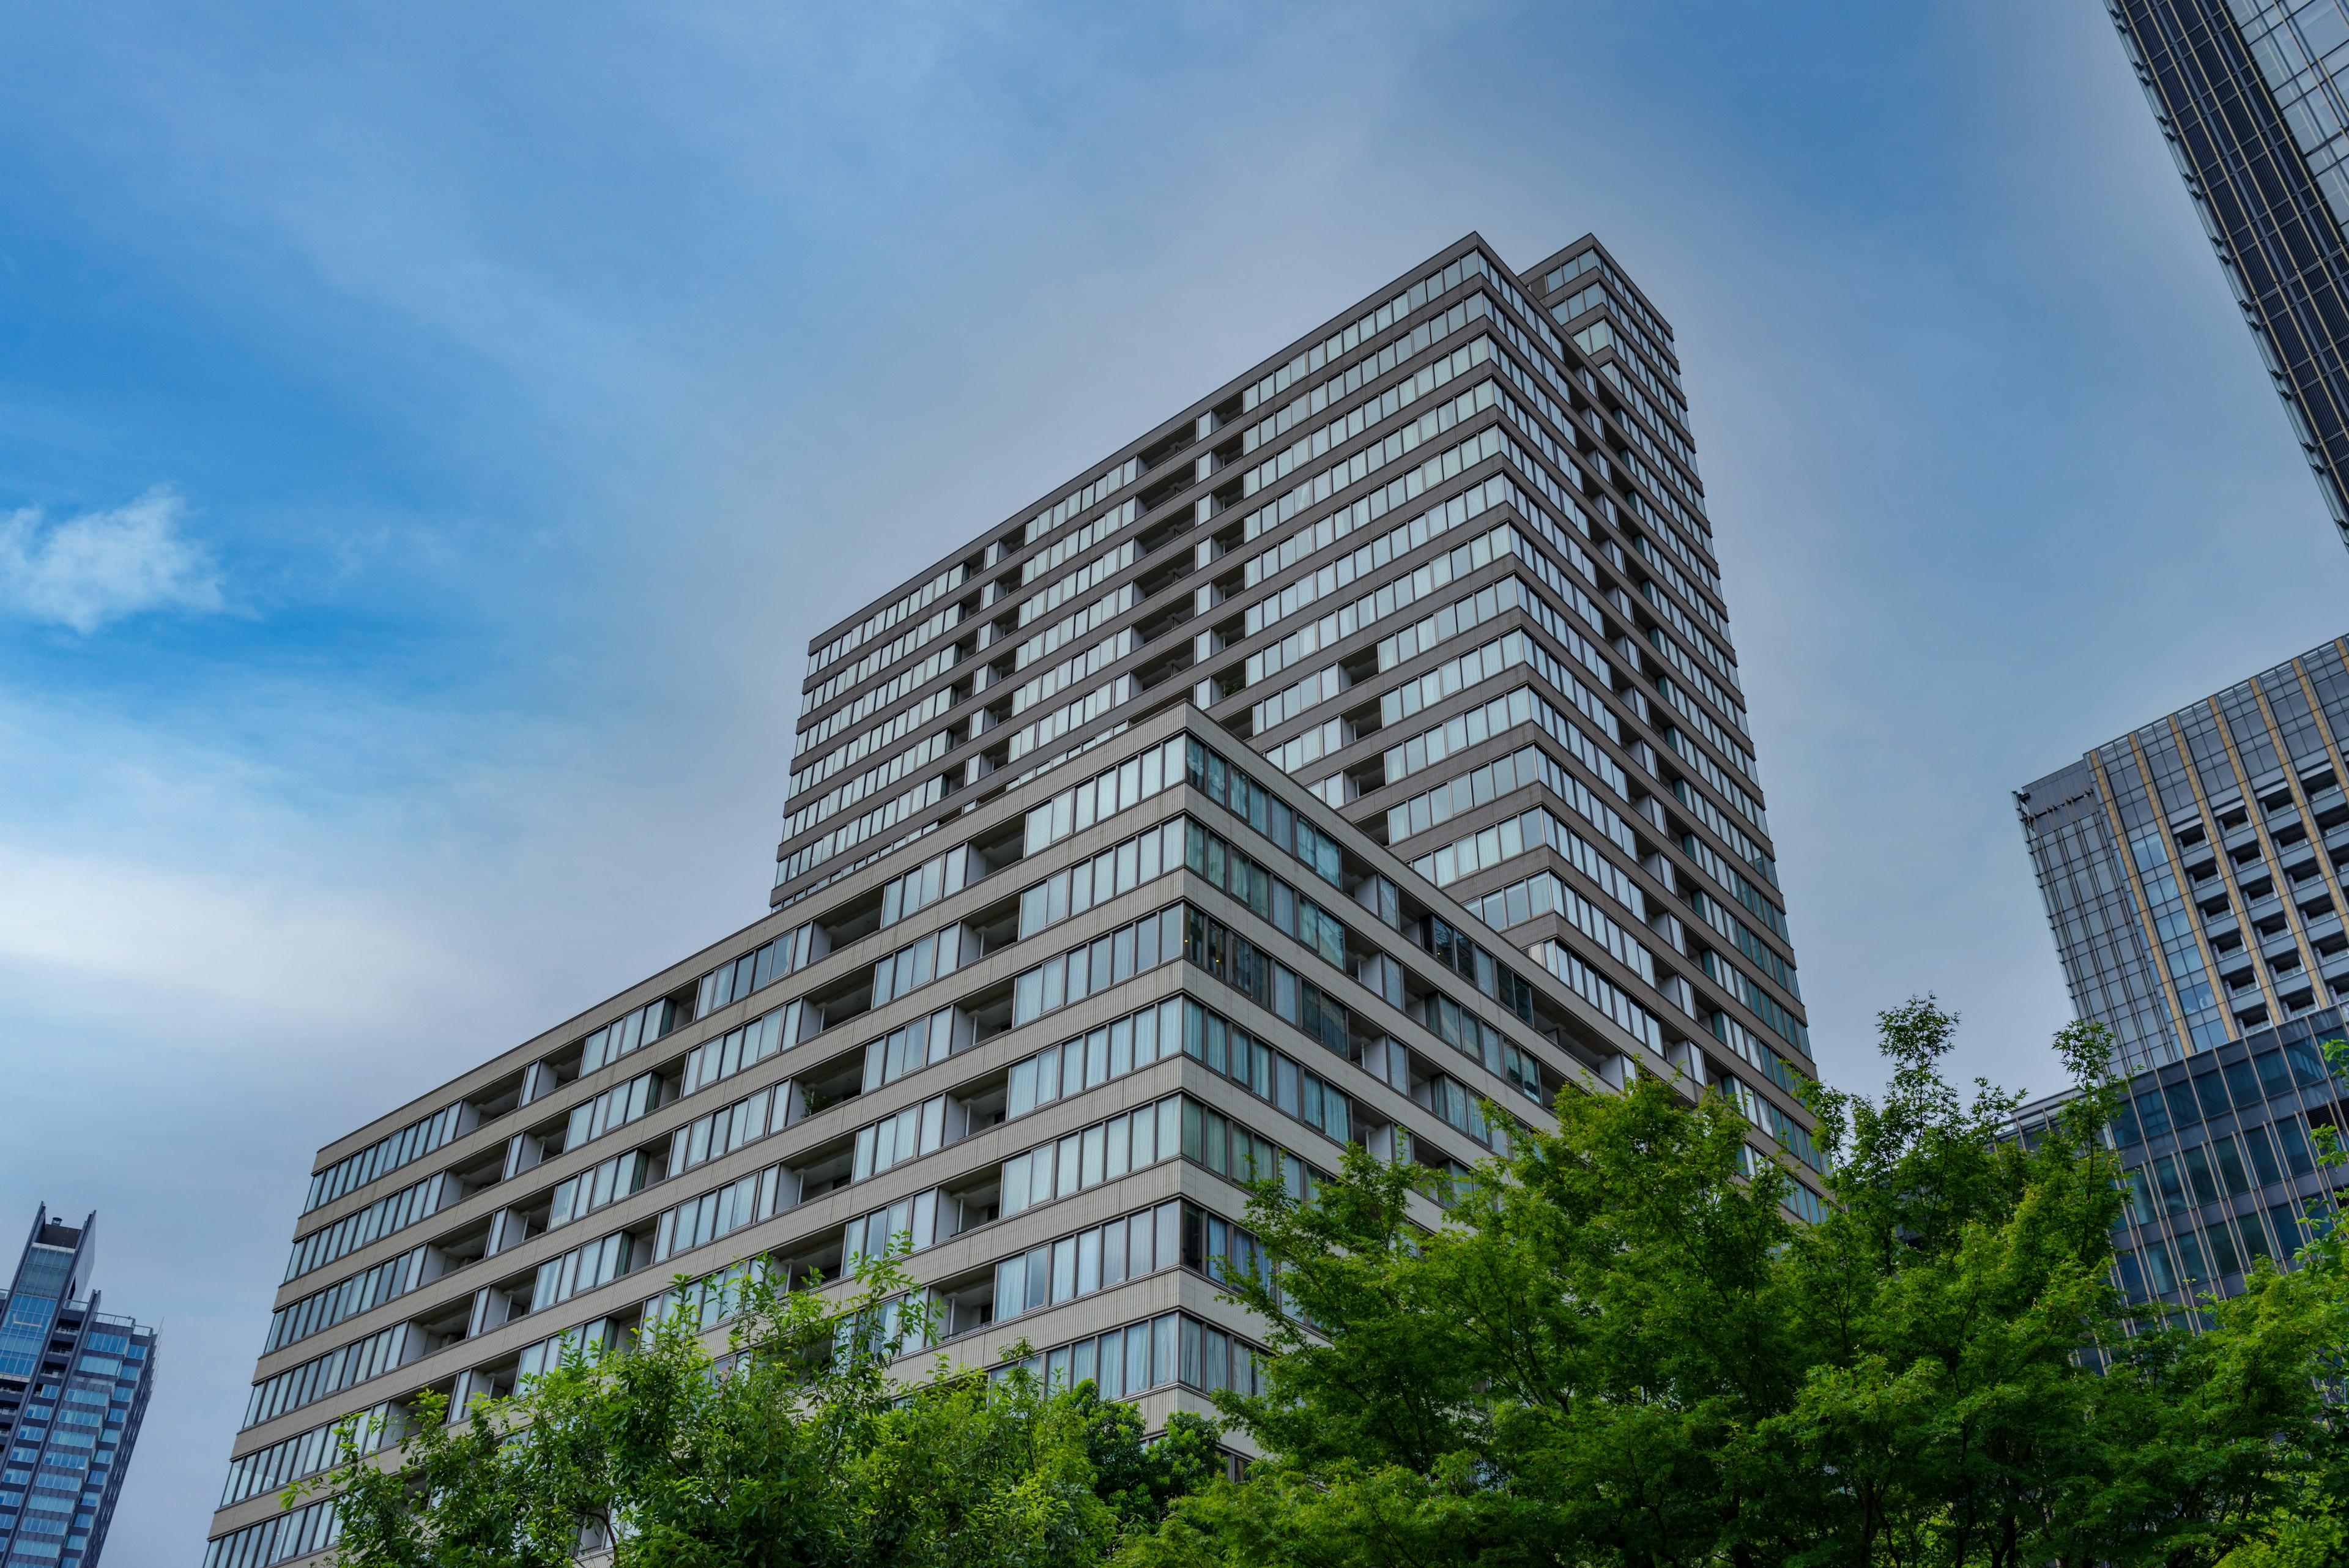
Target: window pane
1137, 1359
2229, 1161
2222, 1250
1138, 1232
2262, 1153
2197, 1161
2211, 1093
1111, 1375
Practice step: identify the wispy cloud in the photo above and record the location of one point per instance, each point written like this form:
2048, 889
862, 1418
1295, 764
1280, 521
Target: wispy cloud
100, 566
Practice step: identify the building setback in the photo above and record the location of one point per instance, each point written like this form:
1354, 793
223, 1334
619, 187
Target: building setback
1358, 751
1446, 562
2193, 873
2251, 97
73, 1390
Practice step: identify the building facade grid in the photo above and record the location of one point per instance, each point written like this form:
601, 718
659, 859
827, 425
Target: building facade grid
2195, 873
2249, 98
1357, 759
74, 1385
1276, 552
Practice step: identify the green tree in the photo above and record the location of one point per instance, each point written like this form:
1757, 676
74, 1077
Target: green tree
1613, 1348
1617, 1349
795, 1447
1139, 1479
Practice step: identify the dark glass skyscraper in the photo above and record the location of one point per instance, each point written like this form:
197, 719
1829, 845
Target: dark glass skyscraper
2217, 837
73, 1388
2195, 873
2252, 97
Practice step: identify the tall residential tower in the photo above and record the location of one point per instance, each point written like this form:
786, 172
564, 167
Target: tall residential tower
1270, 554
73, 1390
2252, 97
1357, 757
2195, 874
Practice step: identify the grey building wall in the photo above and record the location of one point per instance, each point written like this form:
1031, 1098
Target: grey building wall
1446, 561
1088, 903
812, 1084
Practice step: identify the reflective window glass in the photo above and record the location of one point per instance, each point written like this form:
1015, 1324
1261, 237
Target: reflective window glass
2222, 1249
2197, 1161
2173, 1190
2189, 1259
2255, 1240
2242, 1084
2230, 1162
2211, 1093
2274, 1077
2262, 1153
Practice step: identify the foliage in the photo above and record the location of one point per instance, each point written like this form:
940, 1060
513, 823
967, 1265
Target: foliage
1140, 1479
2310, 1534
794, 1447
1617, 1349
1614, 1348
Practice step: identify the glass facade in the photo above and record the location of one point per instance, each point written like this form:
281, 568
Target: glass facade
2249, 96
2219, 1153
2091, 906
2193, 872
73, 1390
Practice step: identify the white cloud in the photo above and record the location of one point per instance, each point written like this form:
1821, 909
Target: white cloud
100, 566
259, 943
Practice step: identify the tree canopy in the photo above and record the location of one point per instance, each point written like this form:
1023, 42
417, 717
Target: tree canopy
795, 1447
1619, 1349
1614, 1348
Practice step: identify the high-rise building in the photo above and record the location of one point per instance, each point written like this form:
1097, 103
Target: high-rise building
2193, 873
1272, 553
73, 1389
1357, 757
2252, 97
2217, 837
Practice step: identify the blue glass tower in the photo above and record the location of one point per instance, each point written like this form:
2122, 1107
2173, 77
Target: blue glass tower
73, 1388
2196, 875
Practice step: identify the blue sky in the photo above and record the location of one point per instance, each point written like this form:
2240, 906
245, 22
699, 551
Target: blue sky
430, 435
